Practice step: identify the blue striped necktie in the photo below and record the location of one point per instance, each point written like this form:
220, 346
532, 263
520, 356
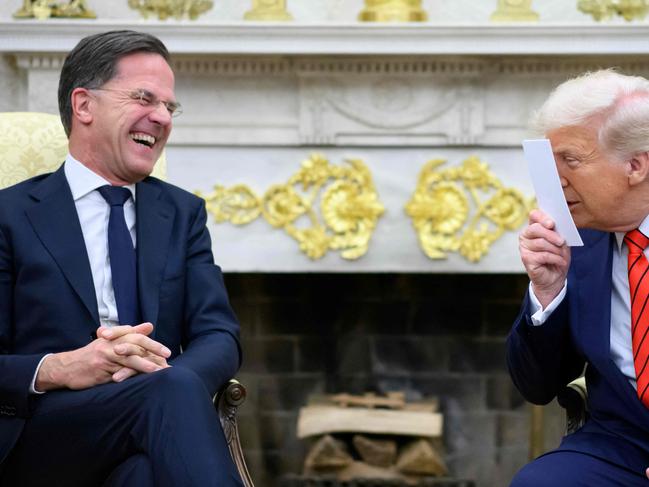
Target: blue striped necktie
122, 256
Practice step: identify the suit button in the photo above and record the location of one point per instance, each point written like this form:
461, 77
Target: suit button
7, 411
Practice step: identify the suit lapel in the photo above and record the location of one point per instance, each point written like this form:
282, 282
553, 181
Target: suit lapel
593, 267
55, 221
154, 225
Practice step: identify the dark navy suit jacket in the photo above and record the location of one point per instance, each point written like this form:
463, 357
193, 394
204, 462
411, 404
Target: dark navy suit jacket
543, 359
47, 297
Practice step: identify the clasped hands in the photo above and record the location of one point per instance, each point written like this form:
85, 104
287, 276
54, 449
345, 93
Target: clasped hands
116, 354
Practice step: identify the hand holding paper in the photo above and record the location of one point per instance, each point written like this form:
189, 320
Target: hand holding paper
547, 187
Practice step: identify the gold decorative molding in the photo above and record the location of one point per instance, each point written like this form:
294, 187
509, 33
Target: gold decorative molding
45, 9
442, 204
514, 11
392, 11
605, 9
274, 10
349, 207
177, 9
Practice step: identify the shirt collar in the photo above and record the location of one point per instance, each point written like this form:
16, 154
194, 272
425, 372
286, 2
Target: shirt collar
83, 181
644, 228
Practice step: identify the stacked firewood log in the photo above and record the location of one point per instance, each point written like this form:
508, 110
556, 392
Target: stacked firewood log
370, 436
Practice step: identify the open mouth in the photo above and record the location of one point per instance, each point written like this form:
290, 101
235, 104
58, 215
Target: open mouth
143, 139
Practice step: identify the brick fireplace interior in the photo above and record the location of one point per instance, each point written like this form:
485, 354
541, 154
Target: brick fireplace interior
426, 334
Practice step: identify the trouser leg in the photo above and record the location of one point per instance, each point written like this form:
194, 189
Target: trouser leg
574, 469
77, 438
136, 471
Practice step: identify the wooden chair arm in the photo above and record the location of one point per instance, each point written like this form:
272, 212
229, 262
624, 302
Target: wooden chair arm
227, 402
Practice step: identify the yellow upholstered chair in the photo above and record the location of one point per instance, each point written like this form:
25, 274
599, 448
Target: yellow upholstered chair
35, 143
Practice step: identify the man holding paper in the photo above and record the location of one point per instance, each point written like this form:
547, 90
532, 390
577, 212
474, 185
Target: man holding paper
586, 305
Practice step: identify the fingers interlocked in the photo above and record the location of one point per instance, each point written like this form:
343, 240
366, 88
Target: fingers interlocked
132, 351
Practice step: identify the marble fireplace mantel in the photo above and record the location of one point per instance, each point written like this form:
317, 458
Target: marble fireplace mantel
315, 39
259, 98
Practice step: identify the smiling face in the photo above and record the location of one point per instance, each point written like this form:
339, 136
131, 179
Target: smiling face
595, 185
124, 135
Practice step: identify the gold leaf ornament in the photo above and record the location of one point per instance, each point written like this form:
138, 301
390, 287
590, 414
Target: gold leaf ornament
605, 9
314, 171
45, 9
475, 174
514, 11
441, 209
238, 204
178, 9
264, 10
313, 241
282, 205
507, 208
393, 11
348, 203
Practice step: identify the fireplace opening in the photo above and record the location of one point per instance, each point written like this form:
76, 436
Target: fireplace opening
426, 335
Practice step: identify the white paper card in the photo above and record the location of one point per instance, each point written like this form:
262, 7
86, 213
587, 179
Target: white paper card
547, 186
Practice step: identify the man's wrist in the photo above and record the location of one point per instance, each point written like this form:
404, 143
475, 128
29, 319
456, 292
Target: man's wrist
32, 385
539, 313
50, 375
546, 296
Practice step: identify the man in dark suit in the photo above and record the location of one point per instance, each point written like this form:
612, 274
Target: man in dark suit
115, 327
587, 305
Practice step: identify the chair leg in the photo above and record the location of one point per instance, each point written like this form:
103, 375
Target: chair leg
227, 402
536, 431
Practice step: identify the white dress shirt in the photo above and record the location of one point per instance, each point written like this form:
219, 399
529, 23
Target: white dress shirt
93, 212
620, 334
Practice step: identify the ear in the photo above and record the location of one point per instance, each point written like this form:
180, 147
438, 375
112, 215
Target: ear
638, 168
82, 104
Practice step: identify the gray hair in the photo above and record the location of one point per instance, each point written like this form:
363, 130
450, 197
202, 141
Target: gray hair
93, 62
615, 103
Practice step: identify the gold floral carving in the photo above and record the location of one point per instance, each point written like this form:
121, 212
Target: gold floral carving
392, 11
605, 9
178, 9
514, 11
463, 209
44, 9
268, 10
348, 201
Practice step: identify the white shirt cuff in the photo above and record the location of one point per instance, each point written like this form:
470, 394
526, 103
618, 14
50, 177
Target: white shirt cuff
32, 386
539, 315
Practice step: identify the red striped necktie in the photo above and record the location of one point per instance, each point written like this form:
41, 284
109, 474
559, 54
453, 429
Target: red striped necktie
639, 289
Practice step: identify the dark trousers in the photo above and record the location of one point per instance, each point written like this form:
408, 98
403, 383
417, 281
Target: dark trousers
574, 469
156, 429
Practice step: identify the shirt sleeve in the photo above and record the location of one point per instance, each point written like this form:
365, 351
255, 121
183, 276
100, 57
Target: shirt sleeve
32, 386
538, 314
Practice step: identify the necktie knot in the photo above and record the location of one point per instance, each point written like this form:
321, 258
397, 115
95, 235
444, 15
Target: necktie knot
636, 241
115, 195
